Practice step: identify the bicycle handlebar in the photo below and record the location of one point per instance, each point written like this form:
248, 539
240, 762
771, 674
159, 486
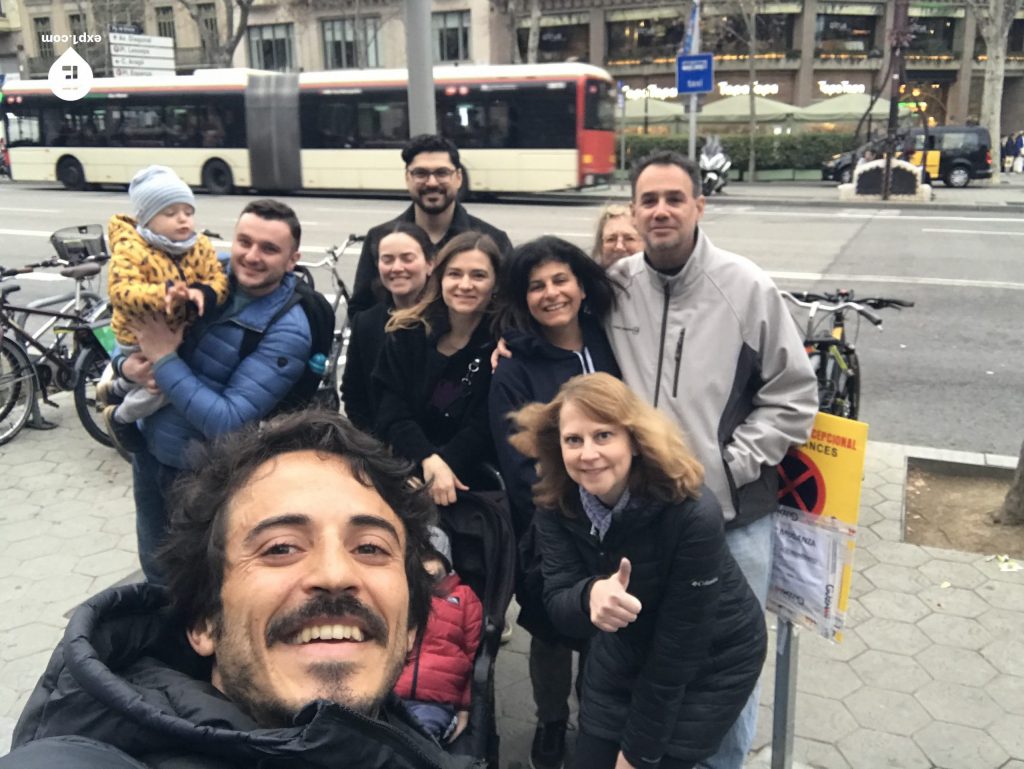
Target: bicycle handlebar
877, 303
10, 273
334, 252
817, 304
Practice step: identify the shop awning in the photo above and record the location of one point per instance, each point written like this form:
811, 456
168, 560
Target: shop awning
848, 107
736, 109
658, 111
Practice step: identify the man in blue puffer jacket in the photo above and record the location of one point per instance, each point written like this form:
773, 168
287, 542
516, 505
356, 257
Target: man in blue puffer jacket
211, 388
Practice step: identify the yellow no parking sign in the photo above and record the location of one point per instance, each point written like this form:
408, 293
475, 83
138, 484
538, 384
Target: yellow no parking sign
816, 525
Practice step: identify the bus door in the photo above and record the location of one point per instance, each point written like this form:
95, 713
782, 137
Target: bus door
272, 130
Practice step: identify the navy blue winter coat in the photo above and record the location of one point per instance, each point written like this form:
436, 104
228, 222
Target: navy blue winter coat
211, 390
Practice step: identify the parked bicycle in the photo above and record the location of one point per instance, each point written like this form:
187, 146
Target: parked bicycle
833, 355
339, 303
68, 351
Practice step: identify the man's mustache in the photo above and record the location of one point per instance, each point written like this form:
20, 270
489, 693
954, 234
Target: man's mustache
283, 629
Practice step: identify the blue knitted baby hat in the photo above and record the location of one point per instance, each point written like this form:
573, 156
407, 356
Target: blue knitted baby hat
153, 189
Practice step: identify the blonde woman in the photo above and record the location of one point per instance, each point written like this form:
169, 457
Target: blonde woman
616, 236
634, 558
434, 374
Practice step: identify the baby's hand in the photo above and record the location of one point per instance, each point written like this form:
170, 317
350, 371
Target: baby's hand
177, 294
196, 297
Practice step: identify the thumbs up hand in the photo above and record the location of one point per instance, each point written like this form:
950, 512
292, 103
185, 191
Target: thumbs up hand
611, 607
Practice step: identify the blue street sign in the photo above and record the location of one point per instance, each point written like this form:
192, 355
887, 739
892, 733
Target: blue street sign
695, 73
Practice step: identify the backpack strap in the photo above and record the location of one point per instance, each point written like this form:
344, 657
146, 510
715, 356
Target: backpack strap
251, 337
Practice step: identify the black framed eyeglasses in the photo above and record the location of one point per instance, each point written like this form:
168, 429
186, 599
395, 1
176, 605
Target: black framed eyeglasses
422, 174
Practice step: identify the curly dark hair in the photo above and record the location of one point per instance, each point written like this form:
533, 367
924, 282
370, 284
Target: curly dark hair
192, 558
515, 281
430, 143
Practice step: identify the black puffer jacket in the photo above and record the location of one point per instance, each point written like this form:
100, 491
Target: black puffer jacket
364, 346
674, 681
534, 373
124, 689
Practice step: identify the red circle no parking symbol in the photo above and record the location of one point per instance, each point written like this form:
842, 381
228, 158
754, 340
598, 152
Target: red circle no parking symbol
801, 485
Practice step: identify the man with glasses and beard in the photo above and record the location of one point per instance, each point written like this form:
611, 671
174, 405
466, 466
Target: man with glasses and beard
433, 175
295, 589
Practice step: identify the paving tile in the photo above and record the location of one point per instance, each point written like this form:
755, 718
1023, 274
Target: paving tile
862, 559
831, 719
890, 509
888, 530
1003, 595
958, 704
866, 537
885, 670
955, 631
1008, 692
869, 496
28, 640
902, 579
958, 666
1006, 655
865, 749
868, 516
106, 563
820, 755
826, 678
892, 492
1000, 623
847, 649
856, 613
946, 554
899, 553
952, 746
894, 605
46, 565
895, 475
963, 575
1008, 731
891, 636
954, 600
883, 710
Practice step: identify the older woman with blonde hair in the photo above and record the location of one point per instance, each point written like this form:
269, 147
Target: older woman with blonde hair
634, 558
616, 237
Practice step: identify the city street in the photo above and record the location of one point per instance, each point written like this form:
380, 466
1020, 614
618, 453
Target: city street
929, 674
943, 374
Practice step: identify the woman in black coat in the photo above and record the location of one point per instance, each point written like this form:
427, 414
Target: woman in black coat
405, 258
554, 301
433, 374
634, 558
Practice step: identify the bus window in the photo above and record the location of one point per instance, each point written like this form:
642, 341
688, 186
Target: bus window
383, 122
328, 122
543, 118
22, 127
599, 106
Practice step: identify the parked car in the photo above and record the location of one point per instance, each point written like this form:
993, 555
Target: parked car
954, 154
839, 168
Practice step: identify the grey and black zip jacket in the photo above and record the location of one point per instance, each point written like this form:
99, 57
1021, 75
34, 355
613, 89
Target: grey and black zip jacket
715, 348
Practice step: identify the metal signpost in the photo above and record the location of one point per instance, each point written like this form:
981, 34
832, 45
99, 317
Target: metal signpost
422, 107
691, 48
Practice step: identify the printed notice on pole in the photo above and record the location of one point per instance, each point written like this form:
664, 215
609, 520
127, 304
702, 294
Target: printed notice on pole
816, 526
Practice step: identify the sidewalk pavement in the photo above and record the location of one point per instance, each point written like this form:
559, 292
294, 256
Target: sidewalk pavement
929, 674
981, 195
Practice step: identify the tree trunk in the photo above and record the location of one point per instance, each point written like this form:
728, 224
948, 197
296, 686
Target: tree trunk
533, 42
1012, 511
994, 20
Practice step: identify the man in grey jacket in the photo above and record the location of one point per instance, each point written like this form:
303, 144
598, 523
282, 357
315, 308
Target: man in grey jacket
705, 336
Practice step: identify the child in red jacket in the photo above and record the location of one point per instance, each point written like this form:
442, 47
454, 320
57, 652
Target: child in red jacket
435, 684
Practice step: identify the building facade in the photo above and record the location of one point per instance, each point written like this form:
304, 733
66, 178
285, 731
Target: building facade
807, 50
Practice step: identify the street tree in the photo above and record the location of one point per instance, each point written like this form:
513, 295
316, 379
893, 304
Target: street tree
1012, 511
219, 47
737, 29
748, 8
994, 20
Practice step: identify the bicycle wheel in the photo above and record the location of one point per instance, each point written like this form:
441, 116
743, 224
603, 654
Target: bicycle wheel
17, 389
847, 397
91, 364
